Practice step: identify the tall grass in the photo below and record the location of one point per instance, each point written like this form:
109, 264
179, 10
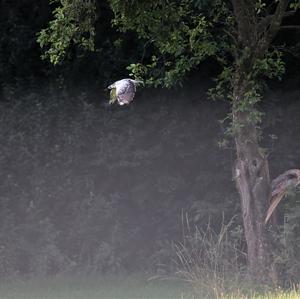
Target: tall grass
213, 262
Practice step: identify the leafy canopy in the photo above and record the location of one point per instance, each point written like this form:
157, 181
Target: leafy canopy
73, 23
179, 35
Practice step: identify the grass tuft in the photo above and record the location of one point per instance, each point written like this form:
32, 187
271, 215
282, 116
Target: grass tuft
212, 262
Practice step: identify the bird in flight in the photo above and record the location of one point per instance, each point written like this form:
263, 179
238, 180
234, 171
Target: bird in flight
123, 91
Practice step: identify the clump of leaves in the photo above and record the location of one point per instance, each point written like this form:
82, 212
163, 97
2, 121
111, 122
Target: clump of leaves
73, 23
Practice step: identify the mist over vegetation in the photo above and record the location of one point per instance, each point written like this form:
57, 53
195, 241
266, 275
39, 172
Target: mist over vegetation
150, 189
92, 188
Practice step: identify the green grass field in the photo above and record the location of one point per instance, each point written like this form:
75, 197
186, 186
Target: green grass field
95, 288
114, 288
269, 295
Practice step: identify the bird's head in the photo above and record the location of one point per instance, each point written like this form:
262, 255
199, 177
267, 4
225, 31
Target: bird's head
138, 82
111, 86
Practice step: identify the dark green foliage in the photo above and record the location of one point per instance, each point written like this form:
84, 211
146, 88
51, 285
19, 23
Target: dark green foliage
177, 33
73, 24
19, 52
23, 24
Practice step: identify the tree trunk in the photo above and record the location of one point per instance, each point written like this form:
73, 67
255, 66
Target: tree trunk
253, 183
253, 38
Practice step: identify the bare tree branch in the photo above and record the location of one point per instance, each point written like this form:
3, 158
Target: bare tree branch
266, 21
276, 20
290, 27
280, 186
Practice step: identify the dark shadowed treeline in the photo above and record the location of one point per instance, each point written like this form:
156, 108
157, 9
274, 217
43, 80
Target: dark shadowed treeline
20, 54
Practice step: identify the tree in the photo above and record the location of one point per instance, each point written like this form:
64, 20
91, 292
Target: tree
19, 52
239, 35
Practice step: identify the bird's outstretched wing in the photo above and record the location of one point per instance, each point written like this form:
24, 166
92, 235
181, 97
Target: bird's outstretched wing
113, 96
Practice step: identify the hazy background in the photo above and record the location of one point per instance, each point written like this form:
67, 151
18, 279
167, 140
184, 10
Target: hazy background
90, 188
94, 188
